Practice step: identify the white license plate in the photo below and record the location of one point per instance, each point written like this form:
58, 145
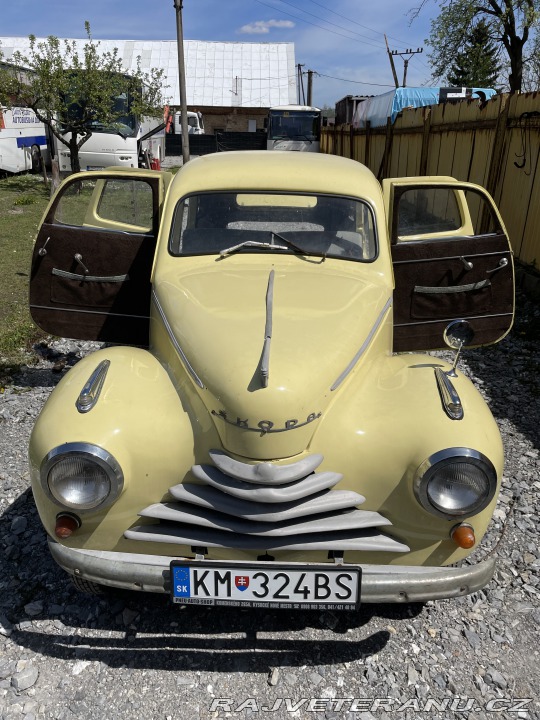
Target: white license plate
296, 587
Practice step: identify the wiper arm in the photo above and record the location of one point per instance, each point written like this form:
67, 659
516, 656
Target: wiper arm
250, 243
288, 242
289, 245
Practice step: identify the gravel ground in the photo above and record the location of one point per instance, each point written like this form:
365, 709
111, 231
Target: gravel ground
66, 655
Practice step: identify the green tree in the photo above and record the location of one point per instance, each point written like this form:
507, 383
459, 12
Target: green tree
477, 64
510, 22
75, 89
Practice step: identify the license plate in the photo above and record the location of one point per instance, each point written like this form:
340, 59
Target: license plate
262, 585
95, 167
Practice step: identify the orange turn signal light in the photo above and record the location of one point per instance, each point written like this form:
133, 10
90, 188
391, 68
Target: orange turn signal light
66, 525
463, 536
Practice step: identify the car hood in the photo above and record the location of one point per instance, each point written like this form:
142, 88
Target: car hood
318, 315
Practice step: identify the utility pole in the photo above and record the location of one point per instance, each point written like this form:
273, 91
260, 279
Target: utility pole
310, 87
300, 81
394, 73
410, 53
182, 80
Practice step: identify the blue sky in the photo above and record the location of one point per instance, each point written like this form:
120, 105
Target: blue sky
341, 40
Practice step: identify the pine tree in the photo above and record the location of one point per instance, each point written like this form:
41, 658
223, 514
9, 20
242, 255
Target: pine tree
477, 64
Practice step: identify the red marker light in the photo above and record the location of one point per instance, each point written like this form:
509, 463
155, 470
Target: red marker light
66, 525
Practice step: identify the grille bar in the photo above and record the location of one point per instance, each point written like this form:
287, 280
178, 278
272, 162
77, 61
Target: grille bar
209, 497
343, 540
330, 522
210, 475
265, 473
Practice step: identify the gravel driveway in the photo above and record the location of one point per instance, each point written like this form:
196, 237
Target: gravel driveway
66, 655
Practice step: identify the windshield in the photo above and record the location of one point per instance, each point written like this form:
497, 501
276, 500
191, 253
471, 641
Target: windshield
125, 122
323, 225
299, 124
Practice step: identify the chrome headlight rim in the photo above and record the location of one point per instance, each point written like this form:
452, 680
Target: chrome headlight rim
95, 453
428, 468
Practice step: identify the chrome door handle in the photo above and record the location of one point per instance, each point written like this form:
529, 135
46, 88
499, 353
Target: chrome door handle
503, 262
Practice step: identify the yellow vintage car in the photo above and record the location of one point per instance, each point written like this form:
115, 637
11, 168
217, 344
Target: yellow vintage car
263, 431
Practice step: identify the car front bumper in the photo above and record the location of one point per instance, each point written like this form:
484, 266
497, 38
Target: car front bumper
380, 583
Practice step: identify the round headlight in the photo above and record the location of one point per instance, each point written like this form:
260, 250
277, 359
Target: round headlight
455, 482
81, 476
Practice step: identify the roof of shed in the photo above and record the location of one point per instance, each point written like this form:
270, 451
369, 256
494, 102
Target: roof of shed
229, 74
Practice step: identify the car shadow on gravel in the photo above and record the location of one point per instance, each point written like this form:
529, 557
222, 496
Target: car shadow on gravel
508, 373
40, 610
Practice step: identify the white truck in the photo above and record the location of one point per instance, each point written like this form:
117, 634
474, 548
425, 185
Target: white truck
194, 120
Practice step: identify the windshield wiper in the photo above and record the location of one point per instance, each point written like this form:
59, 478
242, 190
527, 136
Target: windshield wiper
289, 245
288, 242
250, 243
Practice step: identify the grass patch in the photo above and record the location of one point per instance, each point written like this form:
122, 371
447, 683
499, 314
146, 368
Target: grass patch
23, 198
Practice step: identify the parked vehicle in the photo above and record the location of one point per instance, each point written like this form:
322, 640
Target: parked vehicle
131, 142
195, 123
23, 141
294, 127
272, 446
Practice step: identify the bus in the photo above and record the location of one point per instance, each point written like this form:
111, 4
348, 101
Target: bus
131, 141
294, 127
23, 141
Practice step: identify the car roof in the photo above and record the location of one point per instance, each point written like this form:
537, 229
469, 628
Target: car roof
276, 171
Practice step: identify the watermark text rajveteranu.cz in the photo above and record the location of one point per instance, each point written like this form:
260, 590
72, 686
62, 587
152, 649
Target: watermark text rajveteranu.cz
351, 704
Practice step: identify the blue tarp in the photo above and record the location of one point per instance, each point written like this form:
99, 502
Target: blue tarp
378, 109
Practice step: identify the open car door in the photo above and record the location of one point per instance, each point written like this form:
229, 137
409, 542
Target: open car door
452, 260
93, 256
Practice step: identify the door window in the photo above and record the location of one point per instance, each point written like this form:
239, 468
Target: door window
122, 204
426, 211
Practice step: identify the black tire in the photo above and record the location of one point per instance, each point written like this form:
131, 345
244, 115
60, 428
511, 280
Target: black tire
37, 160
88, 586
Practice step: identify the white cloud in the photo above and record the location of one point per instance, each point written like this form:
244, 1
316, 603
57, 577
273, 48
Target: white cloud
262, 27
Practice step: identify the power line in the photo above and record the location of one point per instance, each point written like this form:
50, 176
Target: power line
328, 21
359, 82
377, 32
273, 7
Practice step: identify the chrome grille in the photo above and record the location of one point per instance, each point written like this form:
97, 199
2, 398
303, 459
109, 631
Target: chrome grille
265, 507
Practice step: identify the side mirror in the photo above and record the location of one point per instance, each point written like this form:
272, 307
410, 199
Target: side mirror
457, 334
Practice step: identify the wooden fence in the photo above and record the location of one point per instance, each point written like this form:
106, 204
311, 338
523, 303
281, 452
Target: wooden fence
496, 145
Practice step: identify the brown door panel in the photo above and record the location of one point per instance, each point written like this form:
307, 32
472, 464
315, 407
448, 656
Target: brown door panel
438, 281
105, 295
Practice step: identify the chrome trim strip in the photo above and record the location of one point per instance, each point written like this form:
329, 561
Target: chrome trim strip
450, 319
380, 583
175, 342
83, 311
364, 346
450, 399
449, 257
89, 278
451, 289
265, 360
91, 391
